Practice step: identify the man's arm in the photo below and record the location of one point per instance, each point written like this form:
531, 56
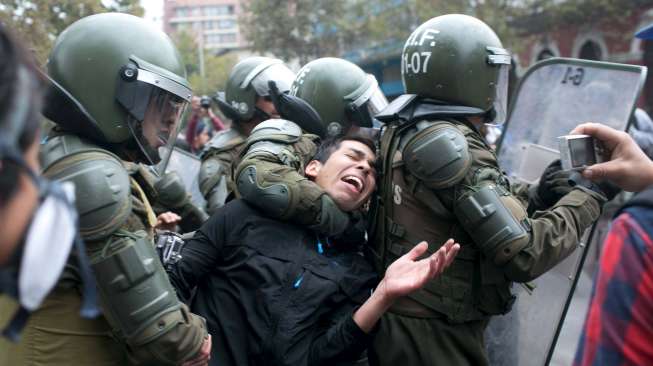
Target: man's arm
523, 247
349, 336
270, 177
479, 195
198, 256
628, 167
190, 128
215, 179
217, 123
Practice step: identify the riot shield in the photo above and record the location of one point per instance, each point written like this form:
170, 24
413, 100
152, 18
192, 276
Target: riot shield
553, 97
187, 166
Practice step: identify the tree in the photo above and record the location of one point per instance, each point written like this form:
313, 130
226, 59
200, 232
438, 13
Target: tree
216, 67
217, 70
38, 23
294, 29
307, 29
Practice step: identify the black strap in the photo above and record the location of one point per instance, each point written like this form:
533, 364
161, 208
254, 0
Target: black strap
14, 328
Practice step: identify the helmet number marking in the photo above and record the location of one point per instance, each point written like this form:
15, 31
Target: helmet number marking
418, 62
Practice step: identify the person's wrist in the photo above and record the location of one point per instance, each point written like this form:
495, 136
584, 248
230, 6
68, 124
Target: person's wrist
382, 297
648, 169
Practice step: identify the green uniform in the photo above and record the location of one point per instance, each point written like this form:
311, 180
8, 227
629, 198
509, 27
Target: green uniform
143, 322
168, 193
216, 172
277, 164
455, 307
445, 321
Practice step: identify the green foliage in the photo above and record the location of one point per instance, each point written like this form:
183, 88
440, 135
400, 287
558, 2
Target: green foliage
307, 29
37, 23
216, 73
303, 29
216, 67
188, 48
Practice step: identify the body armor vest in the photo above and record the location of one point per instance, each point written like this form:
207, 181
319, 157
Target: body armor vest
407, 212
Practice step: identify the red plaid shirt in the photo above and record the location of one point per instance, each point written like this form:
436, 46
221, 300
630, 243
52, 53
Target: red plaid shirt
619, 325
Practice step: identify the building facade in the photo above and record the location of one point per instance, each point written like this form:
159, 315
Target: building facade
214, 22
600, 40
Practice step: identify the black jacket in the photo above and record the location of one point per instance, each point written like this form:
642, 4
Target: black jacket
271, 292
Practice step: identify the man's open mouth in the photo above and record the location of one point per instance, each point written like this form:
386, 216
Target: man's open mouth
355, 182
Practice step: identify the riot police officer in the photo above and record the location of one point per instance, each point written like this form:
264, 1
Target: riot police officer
440, 179
247, 103
345, 99
38, 220
117, 91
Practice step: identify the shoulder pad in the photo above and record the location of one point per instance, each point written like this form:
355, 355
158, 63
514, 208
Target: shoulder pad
275, 130
438, 155
63, 146
224, 140
102, 186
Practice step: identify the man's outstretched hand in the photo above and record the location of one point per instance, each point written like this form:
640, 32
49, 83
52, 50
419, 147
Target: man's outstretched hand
402, 277
409, 273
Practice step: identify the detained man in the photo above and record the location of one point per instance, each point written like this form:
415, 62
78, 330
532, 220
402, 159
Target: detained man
275, 293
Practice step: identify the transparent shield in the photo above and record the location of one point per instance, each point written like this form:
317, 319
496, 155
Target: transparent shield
553, 97
377, 102
501, 97
187, 166
160, 125
368, 104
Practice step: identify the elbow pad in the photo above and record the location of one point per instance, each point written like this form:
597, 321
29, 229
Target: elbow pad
139, 300
273, 199
496, 224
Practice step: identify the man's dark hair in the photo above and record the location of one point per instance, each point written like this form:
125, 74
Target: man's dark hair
328, 146
14, 57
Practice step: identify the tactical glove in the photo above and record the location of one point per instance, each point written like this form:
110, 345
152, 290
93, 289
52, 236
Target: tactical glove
553, 185
332, 220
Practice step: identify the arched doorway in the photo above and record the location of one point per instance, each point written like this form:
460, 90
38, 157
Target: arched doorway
590, 50
544, 54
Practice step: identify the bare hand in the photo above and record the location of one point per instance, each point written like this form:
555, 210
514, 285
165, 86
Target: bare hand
628, 167
203, 356
167, 221
408, 274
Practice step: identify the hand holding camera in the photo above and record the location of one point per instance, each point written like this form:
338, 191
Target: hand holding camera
626, 164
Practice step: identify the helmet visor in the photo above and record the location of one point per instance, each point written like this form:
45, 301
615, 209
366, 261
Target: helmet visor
160, 125
278, 73
367, 105
500, 106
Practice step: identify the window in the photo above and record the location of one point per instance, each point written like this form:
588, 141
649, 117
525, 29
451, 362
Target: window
228, 38
219, 38
181, 11
226, 24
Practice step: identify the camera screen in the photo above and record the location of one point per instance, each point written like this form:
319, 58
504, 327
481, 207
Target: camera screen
582, 152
